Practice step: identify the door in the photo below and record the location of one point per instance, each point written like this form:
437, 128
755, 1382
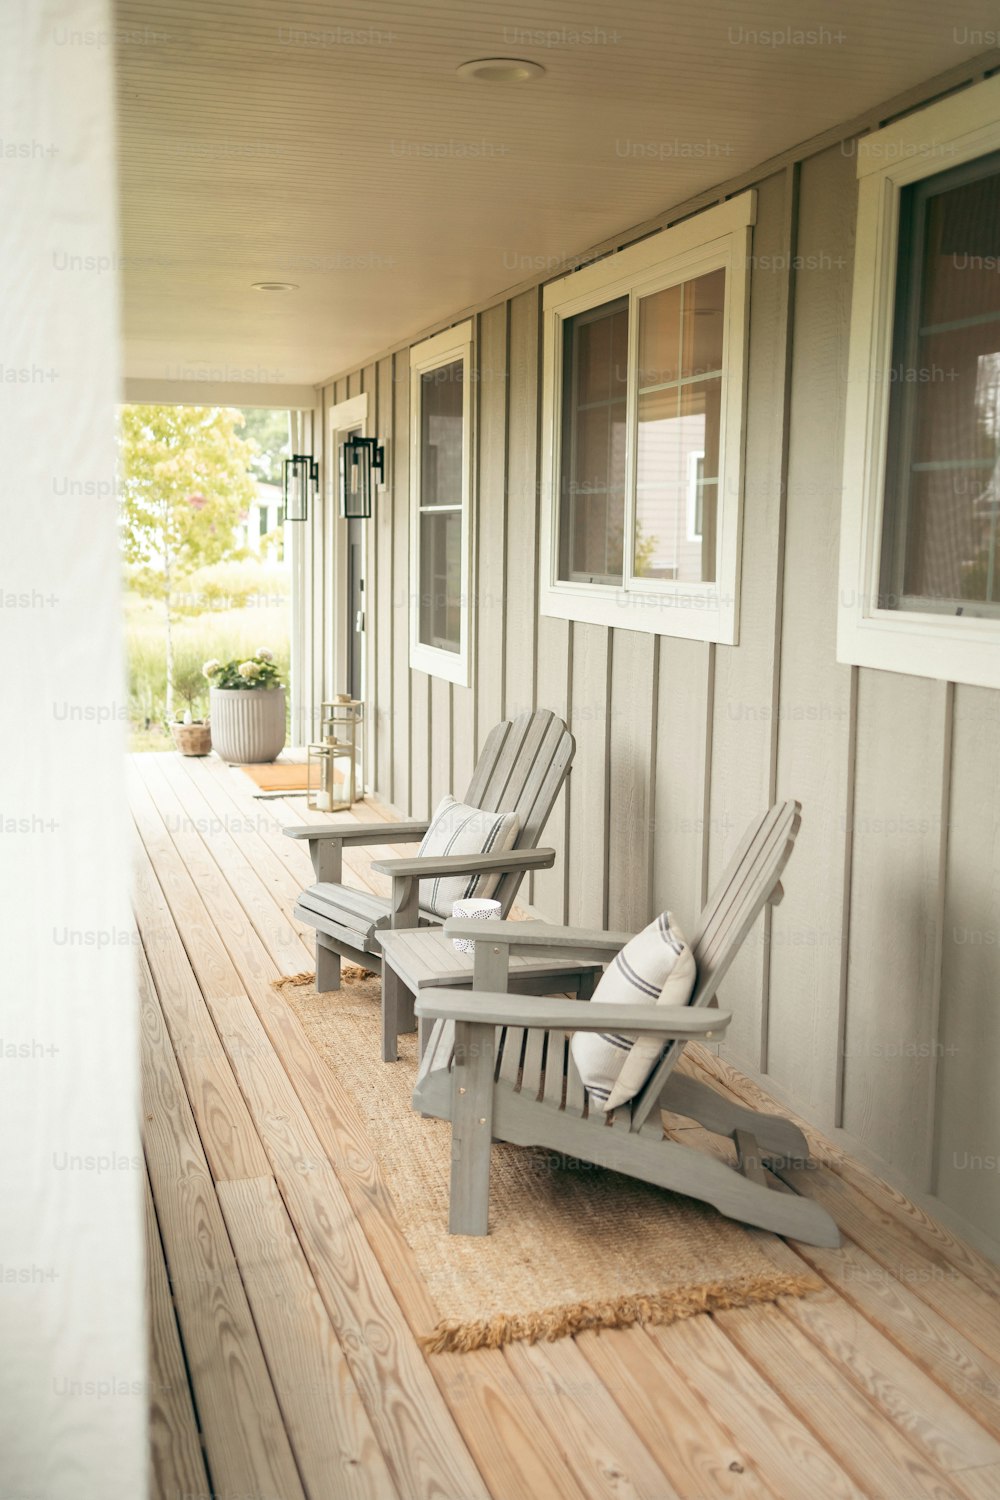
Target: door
355, 598
346, 543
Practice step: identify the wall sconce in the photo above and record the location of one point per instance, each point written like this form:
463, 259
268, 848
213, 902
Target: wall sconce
300, 471
360, 459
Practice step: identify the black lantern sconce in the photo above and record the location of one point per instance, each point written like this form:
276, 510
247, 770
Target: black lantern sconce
300, 472
361, 458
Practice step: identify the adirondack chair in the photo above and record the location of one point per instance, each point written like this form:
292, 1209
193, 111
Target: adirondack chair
499, 1067
523, 764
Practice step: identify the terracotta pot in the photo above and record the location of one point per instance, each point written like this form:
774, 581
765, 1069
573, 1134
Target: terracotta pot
248, 724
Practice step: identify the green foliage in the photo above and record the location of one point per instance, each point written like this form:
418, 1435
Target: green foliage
268, 430
256, 672
244, 584
185, 484
223, 634
189, 680
979, 575
645, 551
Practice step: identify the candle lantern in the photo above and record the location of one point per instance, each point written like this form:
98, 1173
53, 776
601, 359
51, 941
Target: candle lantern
333, 760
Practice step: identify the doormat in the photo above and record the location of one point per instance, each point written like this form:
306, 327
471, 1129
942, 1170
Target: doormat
279, 776
571, 1246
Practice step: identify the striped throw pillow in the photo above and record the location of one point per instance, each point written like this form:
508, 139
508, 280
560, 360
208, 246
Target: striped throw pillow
459, 829
656, 967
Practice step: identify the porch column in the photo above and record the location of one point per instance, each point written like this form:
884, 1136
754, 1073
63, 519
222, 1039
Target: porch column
73, 1384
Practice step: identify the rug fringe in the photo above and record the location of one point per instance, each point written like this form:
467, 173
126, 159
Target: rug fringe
352, 973
303, 977
668, 1306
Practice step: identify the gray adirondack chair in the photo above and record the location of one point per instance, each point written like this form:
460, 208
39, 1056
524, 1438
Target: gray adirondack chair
523, 764
499, 1067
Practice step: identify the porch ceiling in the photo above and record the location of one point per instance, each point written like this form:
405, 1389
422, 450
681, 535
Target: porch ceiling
334, 146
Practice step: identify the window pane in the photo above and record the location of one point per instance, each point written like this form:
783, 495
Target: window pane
660, 337
441, 431
704, 305
940, 544
592, 481
677, 485
441, 579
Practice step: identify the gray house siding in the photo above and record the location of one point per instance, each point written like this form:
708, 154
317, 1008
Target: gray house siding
868, 999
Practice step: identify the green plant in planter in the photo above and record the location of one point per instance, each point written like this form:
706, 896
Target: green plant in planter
258, 671
189, 686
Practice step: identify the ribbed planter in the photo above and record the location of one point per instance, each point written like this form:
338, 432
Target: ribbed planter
248, 725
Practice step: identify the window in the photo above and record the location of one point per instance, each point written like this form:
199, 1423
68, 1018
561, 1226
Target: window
440, 417
920, 558
645, 355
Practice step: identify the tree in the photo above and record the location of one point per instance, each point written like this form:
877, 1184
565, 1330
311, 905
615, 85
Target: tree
269, 431
185, 484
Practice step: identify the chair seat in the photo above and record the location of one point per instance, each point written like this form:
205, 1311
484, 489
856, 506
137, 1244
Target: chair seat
519, 1074
351, 910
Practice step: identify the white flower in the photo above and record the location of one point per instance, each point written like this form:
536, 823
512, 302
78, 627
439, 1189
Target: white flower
211, 668
264, 655
248, 670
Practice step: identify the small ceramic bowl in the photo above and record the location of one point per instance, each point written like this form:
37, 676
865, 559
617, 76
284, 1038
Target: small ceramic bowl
476, 909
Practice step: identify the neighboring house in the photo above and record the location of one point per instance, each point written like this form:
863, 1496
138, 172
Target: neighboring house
261, 521
813, 606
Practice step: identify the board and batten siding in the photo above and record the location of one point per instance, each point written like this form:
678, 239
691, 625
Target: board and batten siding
867, 1000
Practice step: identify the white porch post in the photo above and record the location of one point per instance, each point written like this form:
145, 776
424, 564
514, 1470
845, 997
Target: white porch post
73, 1386
297, 543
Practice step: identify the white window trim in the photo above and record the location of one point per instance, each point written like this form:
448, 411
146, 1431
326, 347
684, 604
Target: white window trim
694, 459
952, 648
718, 237
442, 349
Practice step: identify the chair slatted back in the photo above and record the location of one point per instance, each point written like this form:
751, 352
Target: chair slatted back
522, 767
750, 881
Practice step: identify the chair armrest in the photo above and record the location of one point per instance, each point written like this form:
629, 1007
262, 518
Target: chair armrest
430, 866
553, 1013
542, 940
361, 833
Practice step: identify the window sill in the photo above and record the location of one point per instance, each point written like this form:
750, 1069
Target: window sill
948, 648
452, 666
697, 612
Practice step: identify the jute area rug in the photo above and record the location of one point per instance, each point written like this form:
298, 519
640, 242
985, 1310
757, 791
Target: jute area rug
571, 1246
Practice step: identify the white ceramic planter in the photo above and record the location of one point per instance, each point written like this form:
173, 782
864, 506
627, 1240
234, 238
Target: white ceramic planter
248, 725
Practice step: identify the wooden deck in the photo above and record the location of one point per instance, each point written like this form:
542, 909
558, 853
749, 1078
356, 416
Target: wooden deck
284, 1301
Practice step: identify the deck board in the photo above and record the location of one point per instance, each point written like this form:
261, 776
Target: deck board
298, 1302
177, 1463
245, 1439
331, 1434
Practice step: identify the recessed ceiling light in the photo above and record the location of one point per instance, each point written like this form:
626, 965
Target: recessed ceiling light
500, 70
274, 286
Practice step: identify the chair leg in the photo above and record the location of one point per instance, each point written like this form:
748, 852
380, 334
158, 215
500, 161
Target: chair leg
586, 984
397, 1003
699, 1101
686, 1169
327, 967
471, 1128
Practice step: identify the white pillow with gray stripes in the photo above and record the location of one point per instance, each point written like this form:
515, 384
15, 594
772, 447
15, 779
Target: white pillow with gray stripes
457, 828
656, 967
